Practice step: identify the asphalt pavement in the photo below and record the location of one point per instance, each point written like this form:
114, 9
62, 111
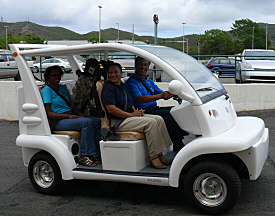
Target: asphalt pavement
18, 197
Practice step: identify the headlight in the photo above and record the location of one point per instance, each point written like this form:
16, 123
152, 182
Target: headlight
247, 65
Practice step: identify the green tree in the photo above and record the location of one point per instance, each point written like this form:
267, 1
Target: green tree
243, 30
33, 39
96, 39
216, 42
30, 39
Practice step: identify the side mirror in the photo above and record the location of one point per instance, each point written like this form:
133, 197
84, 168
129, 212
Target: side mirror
2, 60
176, 88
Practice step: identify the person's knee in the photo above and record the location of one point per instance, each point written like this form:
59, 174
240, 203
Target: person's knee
152, 122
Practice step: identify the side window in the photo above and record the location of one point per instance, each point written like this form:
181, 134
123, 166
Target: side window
217, 61
11, 58
3, 56
55, 61
224, 61
47, 61
232, 62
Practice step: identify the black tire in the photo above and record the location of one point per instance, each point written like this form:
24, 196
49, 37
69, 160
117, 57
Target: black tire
17, 77
44, 174
36, 70
212, 187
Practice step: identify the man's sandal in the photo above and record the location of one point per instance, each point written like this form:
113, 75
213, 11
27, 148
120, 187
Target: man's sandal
163, 160
151, 159
86, 161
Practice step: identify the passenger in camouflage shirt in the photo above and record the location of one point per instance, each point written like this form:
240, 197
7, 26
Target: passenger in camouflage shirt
84, 101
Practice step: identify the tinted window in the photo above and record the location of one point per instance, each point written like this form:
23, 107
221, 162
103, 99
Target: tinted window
224, 61
232, 62
3, 56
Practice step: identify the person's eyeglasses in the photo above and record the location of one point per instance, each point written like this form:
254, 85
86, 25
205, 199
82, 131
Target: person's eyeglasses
56, 75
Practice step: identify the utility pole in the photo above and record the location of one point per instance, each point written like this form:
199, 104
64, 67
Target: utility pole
252, 37
6, 36
266, 36
99, 23
133, 37
117, 32
183, 37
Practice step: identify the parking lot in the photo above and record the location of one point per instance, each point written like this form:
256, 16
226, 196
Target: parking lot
17, 196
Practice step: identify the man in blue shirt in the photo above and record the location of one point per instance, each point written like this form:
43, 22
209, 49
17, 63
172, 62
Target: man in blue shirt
146, 97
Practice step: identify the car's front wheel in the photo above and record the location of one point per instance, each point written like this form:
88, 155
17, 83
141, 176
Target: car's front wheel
44, 173
212, 187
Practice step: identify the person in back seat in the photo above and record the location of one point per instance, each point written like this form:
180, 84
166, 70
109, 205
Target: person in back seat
119, 104
63, 118
84, 99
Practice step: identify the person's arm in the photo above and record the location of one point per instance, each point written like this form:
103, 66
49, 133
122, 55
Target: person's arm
112, 109
53, 115
147, 99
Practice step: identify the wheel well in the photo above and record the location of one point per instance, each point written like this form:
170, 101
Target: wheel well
230, 158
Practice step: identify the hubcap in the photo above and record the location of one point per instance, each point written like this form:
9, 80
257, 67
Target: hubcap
43, 174
209, 189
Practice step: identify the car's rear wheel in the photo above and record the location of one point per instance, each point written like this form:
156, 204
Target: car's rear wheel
44, 173
212, 187
17, 77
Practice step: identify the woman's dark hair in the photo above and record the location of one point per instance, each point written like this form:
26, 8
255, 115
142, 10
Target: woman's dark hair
117, 65
48, 72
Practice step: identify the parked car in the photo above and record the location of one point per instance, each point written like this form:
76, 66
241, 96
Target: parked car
127, 62
8, 66
222, 66
63, 63
256, 65
224, 147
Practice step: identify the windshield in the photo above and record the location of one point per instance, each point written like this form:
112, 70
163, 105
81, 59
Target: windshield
192, 70
123, 55
259, 55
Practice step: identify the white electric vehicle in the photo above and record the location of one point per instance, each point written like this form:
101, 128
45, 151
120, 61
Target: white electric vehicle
225, 148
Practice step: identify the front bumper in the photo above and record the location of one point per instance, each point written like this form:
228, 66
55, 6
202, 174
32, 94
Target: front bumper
255, 156
260, 75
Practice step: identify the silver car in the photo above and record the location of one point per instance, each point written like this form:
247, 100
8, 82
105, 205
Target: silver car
63, 63
8, 66
256, 65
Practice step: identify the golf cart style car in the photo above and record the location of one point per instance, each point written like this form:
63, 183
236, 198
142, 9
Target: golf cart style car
226, 147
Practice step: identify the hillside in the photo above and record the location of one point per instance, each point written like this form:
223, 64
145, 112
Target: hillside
60, 33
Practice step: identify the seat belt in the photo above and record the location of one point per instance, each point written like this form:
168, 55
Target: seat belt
143, 83
111, 131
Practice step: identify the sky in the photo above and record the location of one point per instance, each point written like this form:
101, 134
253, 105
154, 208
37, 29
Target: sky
82, 16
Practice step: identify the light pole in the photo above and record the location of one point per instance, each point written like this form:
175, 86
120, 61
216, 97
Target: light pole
252, 37
6, 36
117, 32
183, 37
99, 22
266, 36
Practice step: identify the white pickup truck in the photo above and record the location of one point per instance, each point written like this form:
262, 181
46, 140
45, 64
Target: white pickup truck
226, 147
